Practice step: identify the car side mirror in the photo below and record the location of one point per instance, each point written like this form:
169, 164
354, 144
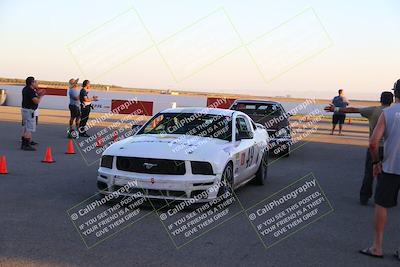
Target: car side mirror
244, 135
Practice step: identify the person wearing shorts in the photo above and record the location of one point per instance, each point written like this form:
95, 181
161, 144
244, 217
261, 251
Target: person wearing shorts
31, 97
372, 114
338, 119
386, 171
387, 189
36, 115
74, 108
339, 101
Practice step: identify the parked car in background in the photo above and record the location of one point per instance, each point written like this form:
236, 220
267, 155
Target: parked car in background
273, 116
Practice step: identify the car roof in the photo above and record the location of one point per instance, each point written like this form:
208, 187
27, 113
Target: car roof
256, 101
212, 111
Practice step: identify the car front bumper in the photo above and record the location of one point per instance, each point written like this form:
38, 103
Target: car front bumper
281, 140
278, 141
199, 188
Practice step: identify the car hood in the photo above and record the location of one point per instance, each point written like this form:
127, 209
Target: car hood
175, 147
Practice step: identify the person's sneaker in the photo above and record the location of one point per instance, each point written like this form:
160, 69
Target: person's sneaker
23, 143
29, 148
33, 143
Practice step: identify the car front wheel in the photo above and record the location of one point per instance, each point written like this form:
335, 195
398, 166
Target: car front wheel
226, 180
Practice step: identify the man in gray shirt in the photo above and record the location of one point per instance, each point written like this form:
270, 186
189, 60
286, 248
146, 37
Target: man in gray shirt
386, 171
75, 112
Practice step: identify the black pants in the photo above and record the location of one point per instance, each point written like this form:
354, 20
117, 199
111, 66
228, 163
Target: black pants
85, 111
368, 181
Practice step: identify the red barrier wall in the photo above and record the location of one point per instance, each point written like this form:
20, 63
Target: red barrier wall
55, 91
139, 107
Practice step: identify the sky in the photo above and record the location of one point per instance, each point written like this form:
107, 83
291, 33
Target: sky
298, 48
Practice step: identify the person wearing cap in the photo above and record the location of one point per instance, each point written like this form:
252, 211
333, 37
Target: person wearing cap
339, 101
372, 114
74, 108
31, 97
86, 106
387, 170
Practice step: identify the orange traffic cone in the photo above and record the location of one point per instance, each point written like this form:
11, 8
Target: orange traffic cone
115, 137
70, 149
3, 165
99, 142
349, 120
48, 157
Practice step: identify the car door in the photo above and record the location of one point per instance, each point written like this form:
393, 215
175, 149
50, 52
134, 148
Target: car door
255, 150
245, 154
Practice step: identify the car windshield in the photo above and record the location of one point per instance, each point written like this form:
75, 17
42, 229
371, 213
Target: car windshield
259, 109
196, 124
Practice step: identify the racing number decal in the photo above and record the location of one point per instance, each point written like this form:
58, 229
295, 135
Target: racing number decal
250, 156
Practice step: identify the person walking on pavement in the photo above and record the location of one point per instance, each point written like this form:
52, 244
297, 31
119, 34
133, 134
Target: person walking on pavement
372, 114
386, 171
339, 101
74, 108
31, 97
86, 106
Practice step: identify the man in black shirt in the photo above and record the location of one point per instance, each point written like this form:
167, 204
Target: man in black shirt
86, 106
31, 97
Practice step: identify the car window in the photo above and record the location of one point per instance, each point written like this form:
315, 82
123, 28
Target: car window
249, 107
242, 125
274, 109
259, 109
204, 125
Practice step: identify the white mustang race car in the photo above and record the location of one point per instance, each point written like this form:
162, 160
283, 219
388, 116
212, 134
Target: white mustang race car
181, 153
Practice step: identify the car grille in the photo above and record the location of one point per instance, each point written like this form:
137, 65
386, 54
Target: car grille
130, 190
154, 192
151, 166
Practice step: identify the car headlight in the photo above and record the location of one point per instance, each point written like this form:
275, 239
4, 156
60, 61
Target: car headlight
201, 167
107, 162
282, 132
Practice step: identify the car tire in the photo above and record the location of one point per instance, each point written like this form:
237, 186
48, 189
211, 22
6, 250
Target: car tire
261, 174
227, 176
